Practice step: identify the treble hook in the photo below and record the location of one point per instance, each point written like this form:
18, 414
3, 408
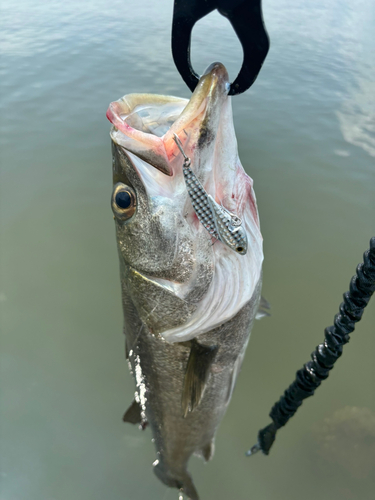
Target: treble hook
246, 18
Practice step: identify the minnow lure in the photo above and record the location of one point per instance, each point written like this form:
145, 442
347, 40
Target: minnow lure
217, 220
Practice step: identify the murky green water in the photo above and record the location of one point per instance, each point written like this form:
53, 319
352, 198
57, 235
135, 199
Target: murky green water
306, 135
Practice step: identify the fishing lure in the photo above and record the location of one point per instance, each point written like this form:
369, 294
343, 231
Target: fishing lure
217, 220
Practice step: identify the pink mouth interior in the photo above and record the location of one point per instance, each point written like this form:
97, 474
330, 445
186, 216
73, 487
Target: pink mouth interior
145, 118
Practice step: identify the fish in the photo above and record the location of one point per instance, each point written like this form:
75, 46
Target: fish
189, 298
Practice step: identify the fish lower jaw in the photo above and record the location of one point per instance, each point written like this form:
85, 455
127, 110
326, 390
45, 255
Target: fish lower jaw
234, 280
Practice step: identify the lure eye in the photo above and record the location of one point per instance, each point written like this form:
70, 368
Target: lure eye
241, 249
124, 201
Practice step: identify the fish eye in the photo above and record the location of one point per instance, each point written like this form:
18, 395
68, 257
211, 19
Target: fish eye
124, 201
239, 249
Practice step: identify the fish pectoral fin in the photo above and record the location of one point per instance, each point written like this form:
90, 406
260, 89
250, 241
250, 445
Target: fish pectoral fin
264, 309
208, 450
133, 414
196, 375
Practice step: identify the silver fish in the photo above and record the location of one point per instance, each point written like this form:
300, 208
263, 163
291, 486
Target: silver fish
188, 304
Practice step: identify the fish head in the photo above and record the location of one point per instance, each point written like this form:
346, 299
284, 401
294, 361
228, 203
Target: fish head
180, 279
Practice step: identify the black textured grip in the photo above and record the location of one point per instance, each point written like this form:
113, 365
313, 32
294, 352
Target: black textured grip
308, 378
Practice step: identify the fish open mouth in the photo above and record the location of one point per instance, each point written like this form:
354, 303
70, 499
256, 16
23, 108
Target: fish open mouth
144, 125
